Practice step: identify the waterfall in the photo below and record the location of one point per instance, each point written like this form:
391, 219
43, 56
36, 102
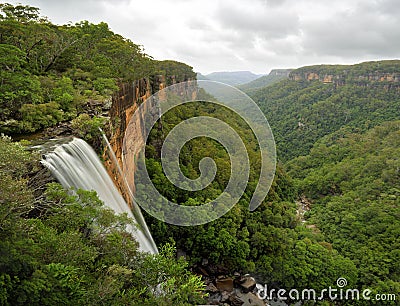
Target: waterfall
77, 165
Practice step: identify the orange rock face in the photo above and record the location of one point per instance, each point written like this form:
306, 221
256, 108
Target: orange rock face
126, 121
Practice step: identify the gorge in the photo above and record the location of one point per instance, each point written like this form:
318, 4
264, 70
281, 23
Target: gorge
337, 135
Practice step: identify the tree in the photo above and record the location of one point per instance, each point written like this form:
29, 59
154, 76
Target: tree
18, 86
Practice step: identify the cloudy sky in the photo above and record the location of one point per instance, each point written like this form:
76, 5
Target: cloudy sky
255, 35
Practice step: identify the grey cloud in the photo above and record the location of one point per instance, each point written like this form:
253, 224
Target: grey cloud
386, 7
267, 21
67, 11
364, 31
245, 35
198, 24
75, 10
275, 3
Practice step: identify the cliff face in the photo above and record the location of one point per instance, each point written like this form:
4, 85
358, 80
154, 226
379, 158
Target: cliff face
123, 122
341, 78
386, 73
124, 104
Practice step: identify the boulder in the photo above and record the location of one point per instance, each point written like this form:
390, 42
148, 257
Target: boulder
211, 288
225, 284
247, 284
225, 295
250, 299
235, 300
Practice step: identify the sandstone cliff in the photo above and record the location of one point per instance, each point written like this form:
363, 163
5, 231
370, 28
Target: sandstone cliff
124, 104
382, 73
123, 122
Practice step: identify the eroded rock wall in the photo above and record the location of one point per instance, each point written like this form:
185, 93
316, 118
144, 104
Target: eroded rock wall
124, 104
128, 125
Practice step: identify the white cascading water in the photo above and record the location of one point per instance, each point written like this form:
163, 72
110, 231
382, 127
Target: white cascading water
76, 164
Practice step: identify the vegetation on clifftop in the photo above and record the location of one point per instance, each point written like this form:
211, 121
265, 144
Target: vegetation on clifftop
49, 73
338, 145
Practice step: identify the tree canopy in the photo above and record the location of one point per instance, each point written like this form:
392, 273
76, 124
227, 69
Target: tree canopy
50, 72
63, 249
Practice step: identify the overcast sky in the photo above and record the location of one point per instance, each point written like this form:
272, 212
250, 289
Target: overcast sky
255, 35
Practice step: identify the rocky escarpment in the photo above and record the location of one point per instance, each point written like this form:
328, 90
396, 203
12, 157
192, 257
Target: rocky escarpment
382, 73
126, 123
280, 72
124, 104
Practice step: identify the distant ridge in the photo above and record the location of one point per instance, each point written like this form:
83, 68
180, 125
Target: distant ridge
233, 78
318, 100
201, 76
274, 76
359, 74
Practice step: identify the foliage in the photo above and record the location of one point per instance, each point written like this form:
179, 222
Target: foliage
270, 242
175, 71
353, 181
37, 116
78, 252
87, 127
15, 197
353, 71
50, 72
301, 112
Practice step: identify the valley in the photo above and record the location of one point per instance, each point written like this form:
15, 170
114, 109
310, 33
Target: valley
337, 135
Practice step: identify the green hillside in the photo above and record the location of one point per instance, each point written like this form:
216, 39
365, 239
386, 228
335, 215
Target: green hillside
270, 242
352, 181
50, 72
337, 130
319, 100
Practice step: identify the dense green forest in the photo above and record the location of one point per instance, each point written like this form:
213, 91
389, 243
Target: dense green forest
301, 112
353, 181
49, 73
338, 146
58, 249
270, 242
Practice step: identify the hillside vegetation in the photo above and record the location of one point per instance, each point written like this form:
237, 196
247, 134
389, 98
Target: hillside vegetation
49, 73
62, 249
353, 181
270, 242
303, 109
337, 131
